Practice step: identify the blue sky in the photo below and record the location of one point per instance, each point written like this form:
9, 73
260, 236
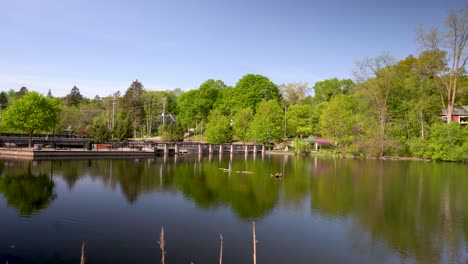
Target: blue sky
102, 46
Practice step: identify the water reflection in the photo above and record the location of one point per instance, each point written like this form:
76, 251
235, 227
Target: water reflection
26, 192
419, 210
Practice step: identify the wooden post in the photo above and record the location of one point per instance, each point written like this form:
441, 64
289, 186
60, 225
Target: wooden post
199, 149
255, 149
254, 240
220, 149
232, 149
263, 149
246, 149
176, 149
162, 246
166, 150
210, 149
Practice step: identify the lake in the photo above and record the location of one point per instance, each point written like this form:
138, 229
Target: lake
320, 211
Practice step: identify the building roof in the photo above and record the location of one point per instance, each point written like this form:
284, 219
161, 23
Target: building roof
458, 110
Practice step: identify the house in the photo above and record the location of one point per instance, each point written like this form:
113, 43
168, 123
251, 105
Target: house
459, 115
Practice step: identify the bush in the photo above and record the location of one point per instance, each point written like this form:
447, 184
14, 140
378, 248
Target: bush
448, 142
172, 132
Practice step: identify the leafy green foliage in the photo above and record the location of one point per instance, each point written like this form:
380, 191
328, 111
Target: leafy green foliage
218, 129
299, 120
338, 120
74, 98
195, 105
133, 104
3, 100
326, 89
99, 130
122, 128
32, 112
22, 91
252, 89
267, 123
241, 124
172, 132
448, 142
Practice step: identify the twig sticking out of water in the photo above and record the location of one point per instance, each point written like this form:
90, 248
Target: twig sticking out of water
162, 245
254, 243
221, 249
82, 254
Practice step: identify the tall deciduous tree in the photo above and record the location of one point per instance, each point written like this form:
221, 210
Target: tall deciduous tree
218, 129
453, 43
195, 105
252, 89
326, 89
294, 93
267, 123
32, 112
376, 78
299, 120
241, 124
338, 120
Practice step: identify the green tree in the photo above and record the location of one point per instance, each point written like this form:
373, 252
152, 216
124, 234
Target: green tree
3, 100
22, 91
298, 120
172, 133
377, 80
241, 124
326, 89
252, 89
195, 105
74, 98
99, 130
338, 120
267, 122
32, 112
133, 104
49, 94
122, 128
218, 129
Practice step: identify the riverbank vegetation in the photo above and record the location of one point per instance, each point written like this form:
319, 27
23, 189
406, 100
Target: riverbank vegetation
391, 108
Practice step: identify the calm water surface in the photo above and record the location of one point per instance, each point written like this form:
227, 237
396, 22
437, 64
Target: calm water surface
321, 211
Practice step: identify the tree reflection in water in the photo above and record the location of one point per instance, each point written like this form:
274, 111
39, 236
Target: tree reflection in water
419, 210
27, 192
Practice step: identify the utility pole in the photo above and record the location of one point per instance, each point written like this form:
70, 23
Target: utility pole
113, 111
164, 110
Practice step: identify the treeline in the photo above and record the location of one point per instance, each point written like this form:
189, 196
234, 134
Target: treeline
391, 108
